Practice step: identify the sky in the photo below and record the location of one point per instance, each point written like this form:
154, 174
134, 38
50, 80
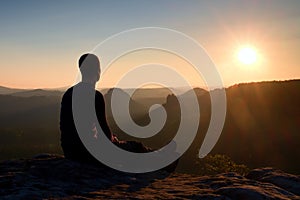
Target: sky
41, 41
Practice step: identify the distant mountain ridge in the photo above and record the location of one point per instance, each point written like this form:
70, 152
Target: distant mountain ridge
145, 93
137, 91
37, 92
6, 90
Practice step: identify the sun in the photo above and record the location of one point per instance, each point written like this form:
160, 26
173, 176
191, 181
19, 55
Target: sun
247, 55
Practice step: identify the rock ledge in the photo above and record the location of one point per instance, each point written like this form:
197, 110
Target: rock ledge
49, 176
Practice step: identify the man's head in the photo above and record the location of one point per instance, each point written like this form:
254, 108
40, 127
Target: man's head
89, 66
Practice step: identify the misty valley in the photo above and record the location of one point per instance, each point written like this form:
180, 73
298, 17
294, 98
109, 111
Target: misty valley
261, 127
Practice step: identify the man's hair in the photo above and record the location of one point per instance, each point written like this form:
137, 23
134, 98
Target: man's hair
89, 58
89, 65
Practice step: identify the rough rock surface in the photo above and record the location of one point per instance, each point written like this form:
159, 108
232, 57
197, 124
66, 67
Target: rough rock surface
54, 177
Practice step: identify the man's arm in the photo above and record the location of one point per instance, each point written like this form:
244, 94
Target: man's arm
100, 111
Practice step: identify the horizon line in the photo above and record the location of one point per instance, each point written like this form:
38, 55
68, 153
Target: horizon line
103, 88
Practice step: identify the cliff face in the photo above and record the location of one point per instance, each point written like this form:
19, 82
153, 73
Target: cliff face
54, 177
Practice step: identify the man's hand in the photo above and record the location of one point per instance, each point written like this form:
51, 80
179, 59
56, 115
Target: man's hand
114, 138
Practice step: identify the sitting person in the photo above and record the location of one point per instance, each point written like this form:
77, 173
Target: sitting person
71, 143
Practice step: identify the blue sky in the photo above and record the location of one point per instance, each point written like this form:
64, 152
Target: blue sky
45, 38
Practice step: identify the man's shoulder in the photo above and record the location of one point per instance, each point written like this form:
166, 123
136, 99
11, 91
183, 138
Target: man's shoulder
68, 93
69, 90
99, 95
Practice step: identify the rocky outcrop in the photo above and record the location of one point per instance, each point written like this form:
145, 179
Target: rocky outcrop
54, 177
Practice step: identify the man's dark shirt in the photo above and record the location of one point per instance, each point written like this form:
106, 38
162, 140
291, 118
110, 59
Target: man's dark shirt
71, 144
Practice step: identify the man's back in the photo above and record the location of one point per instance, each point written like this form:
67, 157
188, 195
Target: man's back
70, 141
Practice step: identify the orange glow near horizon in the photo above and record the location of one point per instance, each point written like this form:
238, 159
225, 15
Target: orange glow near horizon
134, 59
236, 63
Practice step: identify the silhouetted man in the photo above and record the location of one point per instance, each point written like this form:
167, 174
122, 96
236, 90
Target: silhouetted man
72, 146
71, 143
